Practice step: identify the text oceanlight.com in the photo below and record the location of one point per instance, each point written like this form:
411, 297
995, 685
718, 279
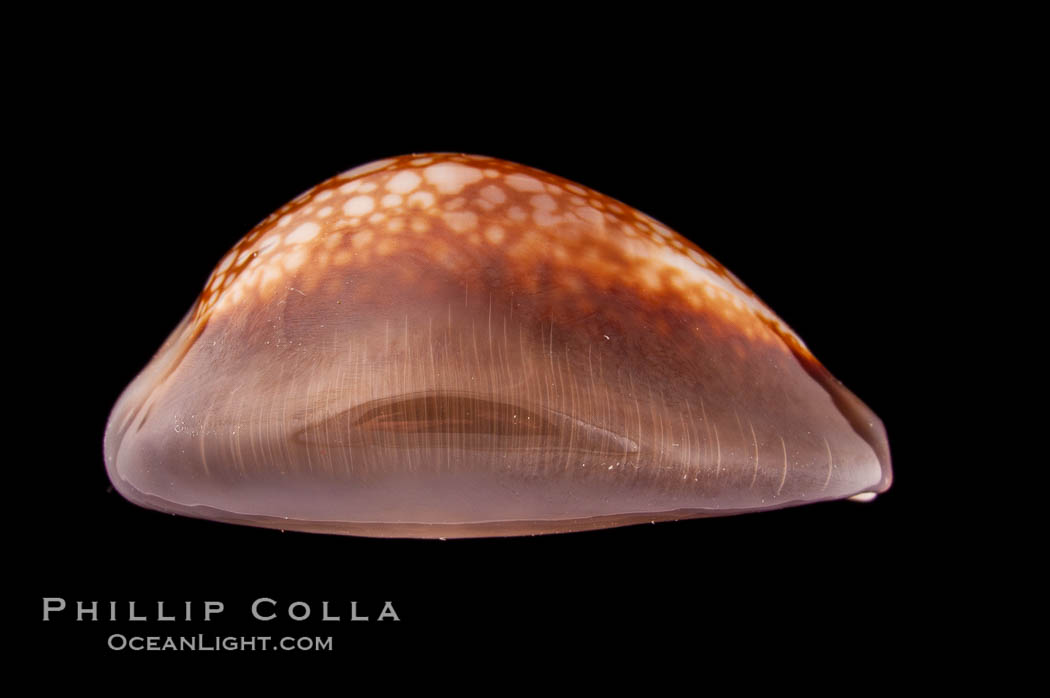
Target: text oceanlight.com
217, 643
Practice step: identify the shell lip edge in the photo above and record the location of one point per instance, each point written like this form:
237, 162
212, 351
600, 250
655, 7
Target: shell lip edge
432, 530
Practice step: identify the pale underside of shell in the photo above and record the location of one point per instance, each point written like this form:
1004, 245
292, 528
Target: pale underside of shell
448, 345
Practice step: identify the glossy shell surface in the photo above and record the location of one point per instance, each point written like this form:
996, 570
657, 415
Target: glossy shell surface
448, 345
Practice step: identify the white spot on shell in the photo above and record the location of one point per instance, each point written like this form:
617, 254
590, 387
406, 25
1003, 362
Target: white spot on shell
544, 205
325, 212
391, 200
494, 234
269, 275
523, 182
590, 215
544, 202
696, 257
362, 239
663, 231
649, 275
403, 182
304, 233
293, 260
462, 221
359, 205
450, 178
423, 199
545, 218
493, 194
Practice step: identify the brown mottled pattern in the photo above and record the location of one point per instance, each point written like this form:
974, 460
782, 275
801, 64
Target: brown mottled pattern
532, 224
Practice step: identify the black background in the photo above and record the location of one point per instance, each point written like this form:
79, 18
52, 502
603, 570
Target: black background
803, 183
